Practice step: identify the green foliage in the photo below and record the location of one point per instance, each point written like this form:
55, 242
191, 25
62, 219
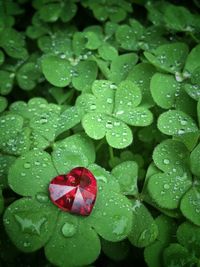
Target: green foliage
113, 86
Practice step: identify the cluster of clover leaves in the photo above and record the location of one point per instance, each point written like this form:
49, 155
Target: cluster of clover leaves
95, 84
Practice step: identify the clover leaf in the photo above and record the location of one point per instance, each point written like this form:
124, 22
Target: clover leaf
184, 232
42, 123
121, 66
72, 234
144, 231
5, 162
30, 227
175, 122
141, 75
6, 82
1, 202
189, 205
179, 18
166, 189
24, 177
3, 103
110, 123
153, 253
111, 217
175, 254
13, 43
128, 184
164, 90
103, 10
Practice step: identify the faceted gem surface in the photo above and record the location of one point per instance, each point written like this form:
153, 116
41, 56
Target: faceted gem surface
74, 192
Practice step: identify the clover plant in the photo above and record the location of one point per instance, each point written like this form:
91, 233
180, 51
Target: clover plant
114, 87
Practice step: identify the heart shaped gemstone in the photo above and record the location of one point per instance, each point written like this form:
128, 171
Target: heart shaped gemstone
74, 192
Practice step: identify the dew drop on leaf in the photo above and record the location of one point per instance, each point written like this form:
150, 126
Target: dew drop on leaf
68, 229
27, 165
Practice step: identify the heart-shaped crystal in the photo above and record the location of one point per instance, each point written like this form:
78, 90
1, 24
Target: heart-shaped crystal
74, 192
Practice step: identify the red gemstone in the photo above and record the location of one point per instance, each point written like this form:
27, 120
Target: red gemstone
74, 192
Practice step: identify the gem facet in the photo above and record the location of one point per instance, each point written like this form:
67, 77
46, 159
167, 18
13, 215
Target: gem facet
74, 192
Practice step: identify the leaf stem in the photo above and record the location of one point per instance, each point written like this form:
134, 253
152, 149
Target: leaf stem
111, 152
99, 145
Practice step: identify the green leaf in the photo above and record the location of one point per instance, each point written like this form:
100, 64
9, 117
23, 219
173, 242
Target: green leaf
87, 102
72, 234
60, 74
166, 189
194, 161
185, 103
141, 75
79, 143
153, 254
65, 159
67, 120
192, 61
3, 103
93, 40
128, 182
2, 57
144, 230
68, 11
97, 125
189, 232
84, 75
138, 116
121, 66
126, 37
104, 92
28, 76
30, 224
13, 43
128, 95
116, 251
164, 90
50, 12
107, 52
177, 255
5, 163
104, 179
189, 140
190, 204
46, 123
1, 202
178, 18
31, 173
171, 155
111, 216
10, 126
175, 122
6, 82
166, 229
169, 57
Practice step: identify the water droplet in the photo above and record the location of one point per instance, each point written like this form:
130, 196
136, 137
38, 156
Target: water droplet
28, 225
27, 165
93, 107
109, 124
119, 224
166, 161
183, 122
26, 244
166, 186
68, 229
181, 131
109, 100
42, 197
